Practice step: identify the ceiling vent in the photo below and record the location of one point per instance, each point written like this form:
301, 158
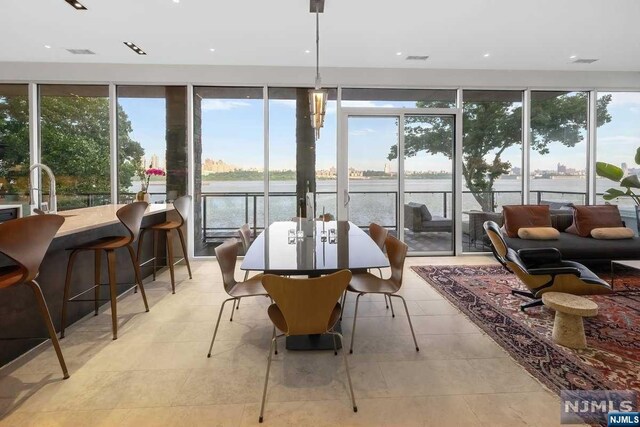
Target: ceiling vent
584, 61
81, 51
417, 58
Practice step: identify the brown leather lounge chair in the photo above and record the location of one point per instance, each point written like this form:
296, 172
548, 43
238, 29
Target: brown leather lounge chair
543, 270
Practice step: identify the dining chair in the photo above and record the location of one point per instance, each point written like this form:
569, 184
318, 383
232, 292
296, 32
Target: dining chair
378, 234
367, 283
25, 242
226, 254
305, 307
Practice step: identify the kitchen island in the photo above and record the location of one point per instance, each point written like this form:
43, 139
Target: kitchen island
19, 316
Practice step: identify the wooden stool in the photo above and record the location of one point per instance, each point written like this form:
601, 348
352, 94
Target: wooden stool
25, 241
181, 206
131, 217
568, 327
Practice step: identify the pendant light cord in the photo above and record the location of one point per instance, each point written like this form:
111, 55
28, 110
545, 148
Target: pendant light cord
317, 47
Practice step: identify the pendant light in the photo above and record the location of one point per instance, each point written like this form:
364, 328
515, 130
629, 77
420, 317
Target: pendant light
317, 96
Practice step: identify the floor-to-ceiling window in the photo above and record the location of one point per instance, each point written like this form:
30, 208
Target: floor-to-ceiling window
152, 135
398, 98
14, 144
74, 143
558, 157
491, 159
228, 164
617, 143
295, 154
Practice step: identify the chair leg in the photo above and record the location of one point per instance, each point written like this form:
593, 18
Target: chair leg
335, 345
170, 260
266, 378
235, 301
246, 276
155, 253
136, 271
184, 251
391, 305
139, 252
355, 316
46, 317
111, 258
275, 344
96, 279
522, 293
408, 318
385, 301
215, 331
530, 304
346, 365
67, 288
342, 303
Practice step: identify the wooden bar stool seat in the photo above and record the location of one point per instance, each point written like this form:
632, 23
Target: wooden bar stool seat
181, 206
25, 242
131, 217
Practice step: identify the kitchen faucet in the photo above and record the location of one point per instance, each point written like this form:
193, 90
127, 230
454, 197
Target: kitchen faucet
53, 201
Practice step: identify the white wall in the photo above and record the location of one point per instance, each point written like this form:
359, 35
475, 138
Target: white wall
14, 72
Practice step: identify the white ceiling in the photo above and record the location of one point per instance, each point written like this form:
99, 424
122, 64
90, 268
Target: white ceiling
518, 35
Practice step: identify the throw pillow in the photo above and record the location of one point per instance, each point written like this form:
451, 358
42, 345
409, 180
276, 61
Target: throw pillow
424, 212
611, 233
538, 233
519, 216
586, 218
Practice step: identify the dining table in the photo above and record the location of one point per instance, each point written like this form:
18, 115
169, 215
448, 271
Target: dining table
312, 248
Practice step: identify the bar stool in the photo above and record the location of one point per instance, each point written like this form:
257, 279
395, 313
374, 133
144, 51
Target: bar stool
181, 206
25, 241
131, 217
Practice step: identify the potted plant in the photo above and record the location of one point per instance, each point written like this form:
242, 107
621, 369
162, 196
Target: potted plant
628, 183
143, 194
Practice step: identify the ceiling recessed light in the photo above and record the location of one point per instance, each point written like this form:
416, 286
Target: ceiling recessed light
398, 53
176, 1
307, 51
486, 55
573, 56
212, 49
135, 48
46, 46
76, 4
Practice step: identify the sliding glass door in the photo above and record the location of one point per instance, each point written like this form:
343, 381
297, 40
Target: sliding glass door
396, 168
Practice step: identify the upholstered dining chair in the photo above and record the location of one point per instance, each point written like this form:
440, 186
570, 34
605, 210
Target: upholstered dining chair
226, 254
130, 217
543, 270
181, 206
25, 242
367, 283
305, 307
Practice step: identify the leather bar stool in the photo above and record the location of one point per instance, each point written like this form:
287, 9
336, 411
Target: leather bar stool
25, 241
181, 206
131, 217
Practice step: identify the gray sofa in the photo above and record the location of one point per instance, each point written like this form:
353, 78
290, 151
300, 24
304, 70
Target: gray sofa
582, 249
418, 218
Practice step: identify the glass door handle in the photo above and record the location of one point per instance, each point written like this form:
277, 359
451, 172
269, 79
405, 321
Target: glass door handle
347, 197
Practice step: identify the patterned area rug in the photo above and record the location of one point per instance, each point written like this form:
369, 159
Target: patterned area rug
612, 360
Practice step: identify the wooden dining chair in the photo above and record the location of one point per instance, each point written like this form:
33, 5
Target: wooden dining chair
367, 283
226, 255
25, 241
305, 307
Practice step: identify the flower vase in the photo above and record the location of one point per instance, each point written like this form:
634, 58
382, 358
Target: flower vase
142, 196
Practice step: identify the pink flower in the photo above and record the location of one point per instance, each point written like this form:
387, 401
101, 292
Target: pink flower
154, 171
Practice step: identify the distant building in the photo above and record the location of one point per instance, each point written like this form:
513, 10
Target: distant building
516, 171
561, 168
216, 166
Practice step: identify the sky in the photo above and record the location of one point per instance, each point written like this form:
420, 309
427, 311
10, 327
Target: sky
232, 131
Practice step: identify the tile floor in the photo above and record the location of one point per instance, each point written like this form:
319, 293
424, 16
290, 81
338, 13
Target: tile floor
157, 372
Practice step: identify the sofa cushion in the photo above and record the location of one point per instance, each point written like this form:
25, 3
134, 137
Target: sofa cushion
586, 218
562, 221
424, 211
611, 233
519, 216
538, 233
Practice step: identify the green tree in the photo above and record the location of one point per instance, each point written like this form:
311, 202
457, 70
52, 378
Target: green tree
75, 142
491, 127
